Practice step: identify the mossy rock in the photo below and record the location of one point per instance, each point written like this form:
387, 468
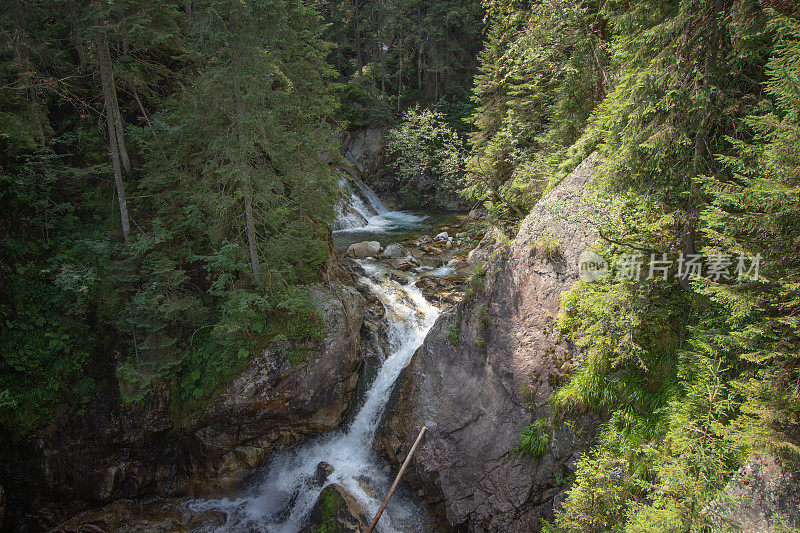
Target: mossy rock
336, 511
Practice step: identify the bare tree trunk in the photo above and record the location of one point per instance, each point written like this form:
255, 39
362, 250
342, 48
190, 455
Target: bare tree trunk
399, 80
247, 190
419, 66
77, 39
359, 55
104, 58
109, 95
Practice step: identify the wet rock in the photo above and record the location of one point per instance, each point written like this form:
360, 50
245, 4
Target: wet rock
364, 249
337, 511
403, 263
399, 276
484, 366
128, 516
430, 261
323, 471
443, 236
764, 491
366, 485
394, 250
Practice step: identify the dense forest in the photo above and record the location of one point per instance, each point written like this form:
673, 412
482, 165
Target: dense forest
170, 171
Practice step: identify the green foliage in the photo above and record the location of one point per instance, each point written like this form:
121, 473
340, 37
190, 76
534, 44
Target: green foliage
598, 500
454, 334
534, 439
426, 146
475, 283
542, 70
690, 378
206, 125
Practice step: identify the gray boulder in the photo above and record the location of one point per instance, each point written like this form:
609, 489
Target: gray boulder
360, 250
394, 250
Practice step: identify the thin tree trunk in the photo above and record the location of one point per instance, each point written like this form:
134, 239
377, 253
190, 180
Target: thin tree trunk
109, 95
77, 39
359, 55
104, 58
399, 80
419, 67
147, 119
247, 191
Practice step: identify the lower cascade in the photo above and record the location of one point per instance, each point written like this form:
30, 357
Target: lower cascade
284, 494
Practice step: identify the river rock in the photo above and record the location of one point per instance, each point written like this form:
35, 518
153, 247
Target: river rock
443, 236
323, 471
337, 511
394, 250
763, 491
486, 370
399, 276
364, 249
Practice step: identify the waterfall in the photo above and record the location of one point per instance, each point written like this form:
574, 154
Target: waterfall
281, 500
362, 205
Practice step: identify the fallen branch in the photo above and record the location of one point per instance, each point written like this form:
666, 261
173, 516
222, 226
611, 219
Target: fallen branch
396, 481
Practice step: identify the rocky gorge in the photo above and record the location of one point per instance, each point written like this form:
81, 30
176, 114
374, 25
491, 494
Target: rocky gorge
441, 325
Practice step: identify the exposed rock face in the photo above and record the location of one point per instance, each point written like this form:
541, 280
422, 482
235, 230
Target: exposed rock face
127, 452
763, 491
128, 516
366, 151
482, 368
276, 401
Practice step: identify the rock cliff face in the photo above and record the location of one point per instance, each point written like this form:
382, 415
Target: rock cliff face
366, 151
487, 369
764, 492
124, 452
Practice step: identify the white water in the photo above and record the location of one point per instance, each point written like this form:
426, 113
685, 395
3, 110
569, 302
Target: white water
285, 494
361, 208
371, 197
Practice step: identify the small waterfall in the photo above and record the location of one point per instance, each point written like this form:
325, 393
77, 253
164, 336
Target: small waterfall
362, 205
371, 197
282, 499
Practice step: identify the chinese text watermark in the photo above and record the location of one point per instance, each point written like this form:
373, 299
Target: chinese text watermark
716, 267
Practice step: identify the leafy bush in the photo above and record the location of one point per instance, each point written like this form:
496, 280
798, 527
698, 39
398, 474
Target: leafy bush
426, 144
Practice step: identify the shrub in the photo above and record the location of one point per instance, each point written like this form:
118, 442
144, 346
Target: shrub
534, 439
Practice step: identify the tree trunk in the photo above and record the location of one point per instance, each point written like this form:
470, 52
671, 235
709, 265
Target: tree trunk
247, 190
77, 39
399, 80
104, 58
419, 67
109, 95
359, 55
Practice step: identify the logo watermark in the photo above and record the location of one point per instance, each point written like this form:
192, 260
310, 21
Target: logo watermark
716, 267
591, 266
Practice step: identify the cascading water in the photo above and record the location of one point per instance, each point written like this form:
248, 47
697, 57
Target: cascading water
282, 499
361, 209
